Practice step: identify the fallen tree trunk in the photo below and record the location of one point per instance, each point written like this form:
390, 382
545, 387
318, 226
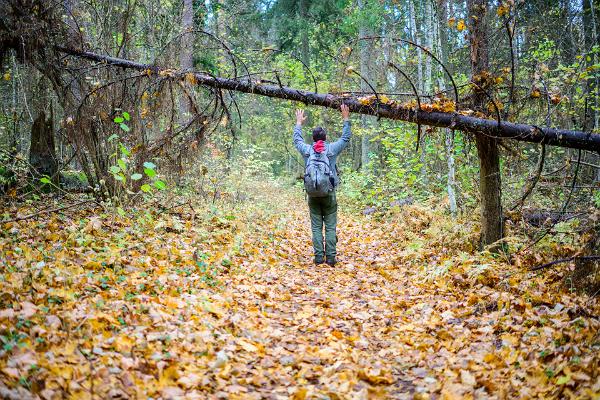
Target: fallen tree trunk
479, 126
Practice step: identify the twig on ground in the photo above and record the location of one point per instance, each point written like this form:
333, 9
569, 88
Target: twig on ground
29, 216
563, 260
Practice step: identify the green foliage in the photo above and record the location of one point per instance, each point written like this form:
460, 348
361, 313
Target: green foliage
123, 172
208, 272
8, 177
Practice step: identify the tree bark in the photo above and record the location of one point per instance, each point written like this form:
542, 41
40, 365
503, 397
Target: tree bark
590, 28
304, 43
42, 154
415, 38
366, 59
429, 35
448, 134
457, 121
186, 60
487, 147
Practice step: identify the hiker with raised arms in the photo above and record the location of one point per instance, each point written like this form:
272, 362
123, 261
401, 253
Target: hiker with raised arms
320, 182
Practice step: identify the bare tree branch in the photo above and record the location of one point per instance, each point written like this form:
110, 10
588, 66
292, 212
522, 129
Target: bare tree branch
522, 132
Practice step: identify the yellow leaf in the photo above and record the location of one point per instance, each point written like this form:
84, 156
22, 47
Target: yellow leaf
169, 376
12, 372
7, 76
249, 347
337, 334
376, 376
300, 394
461, 25
211, 308
191, 78
190, 380
467, 378
489, 357
366, 100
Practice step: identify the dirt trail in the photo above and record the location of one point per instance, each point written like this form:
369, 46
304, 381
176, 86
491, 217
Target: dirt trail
371, 328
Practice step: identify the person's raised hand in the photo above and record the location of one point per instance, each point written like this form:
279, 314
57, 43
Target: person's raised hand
300, 117
345, 112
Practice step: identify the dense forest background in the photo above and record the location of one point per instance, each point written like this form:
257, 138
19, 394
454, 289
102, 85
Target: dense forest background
154, 235
543, 70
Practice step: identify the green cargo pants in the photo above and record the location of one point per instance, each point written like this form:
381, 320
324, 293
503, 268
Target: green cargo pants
323, 210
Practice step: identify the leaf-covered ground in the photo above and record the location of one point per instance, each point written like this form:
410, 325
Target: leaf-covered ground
204, 303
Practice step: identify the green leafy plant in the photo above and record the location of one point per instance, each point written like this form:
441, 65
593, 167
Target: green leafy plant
123, 172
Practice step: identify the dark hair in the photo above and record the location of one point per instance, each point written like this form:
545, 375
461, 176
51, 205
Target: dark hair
319, 134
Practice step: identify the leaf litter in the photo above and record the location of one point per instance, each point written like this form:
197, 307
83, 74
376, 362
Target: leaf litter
228, 306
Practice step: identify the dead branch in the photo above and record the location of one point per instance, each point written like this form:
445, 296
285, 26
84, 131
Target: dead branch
563, 260
533, 180
522, 132
53, 210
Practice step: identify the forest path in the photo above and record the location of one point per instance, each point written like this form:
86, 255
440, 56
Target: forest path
376, 327
362, 329
227, 305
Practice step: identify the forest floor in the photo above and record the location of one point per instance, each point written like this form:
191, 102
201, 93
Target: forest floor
225, 304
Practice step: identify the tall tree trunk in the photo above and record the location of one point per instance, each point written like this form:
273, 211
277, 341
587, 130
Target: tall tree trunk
366, 60
429, 35
590, 29
186, 60
592, 87
448, 134
567, 42
487, 146
415, 38
16, 137
219, 18
304, 43
451, 182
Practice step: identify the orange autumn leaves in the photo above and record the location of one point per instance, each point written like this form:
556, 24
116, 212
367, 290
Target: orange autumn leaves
503, 10
226, 304
440, 103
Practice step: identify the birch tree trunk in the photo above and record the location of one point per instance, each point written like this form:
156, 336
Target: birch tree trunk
429, 34
427, 81
415, 38
448, 134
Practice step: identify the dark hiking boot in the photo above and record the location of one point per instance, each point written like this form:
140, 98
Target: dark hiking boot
330, 262
318, 260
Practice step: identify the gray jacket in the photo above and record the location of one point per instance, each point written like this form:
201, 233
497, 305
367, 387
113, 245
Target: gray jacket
332, 149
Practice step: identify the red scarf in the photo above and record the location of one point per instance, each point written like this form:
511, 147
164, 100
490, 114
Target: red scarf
319, 146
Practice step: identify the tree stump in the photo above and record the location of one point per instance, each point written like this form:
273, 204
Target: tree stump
42, 154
